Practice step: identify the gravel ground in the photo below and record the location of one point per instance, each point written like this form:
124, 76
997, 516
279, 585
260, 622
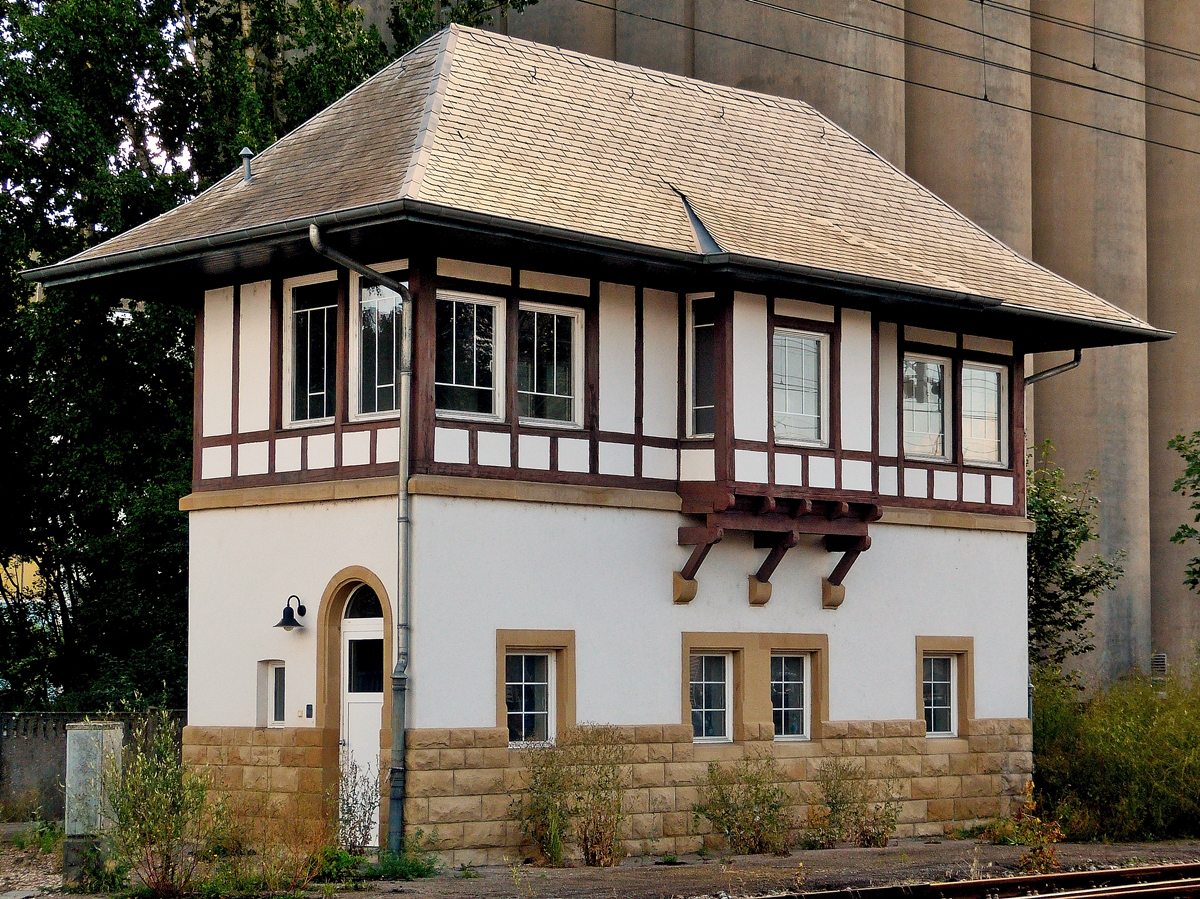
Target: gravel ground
903, 862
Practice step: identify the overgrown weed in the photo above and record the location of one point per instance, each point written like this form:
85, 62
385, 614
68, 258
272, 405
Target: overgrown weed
852, 808
746, 804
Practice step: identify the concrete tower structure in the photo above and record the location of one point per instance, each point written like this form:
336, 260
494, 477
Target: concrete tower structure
1008, 144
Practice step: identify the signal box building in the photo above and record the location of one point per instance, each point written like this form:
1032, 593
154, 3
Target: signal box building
715, 433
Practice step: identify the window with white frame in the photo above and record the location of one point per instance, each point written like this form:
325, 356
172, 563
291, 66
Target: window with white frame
712, 697
702, 351
939, 687
926, 407
790, 695
313, 358
549, 363
800, 385
376, 354
529, 696
469, 356
984, 389
278, 694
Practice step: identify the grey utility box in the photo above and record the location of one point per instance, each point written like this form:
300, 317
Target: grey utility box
92, 749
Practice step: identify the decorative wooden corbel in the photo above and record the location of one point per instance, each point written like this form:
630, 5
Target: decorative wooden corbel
684, 582
833, 592
760, 582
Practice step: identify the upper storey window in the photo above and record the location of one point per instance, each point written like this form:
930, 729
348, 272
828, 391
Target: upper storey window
547, 363
378, 330
983, 404
926, 407
313, 356
468, 371
702, 346
800, 382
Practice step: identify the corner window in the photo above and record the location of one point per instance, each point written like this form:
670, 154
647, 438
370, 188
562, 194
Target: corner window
926, 403
469, 362
712, 698
790, 696
278, 695
702, 349
800, 385
984, 399
939, 688
312, 335
529, 696
549, 363
376, 354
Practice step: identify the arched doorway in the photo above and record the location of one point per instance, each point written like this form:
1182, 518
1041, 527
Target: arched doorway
362, 680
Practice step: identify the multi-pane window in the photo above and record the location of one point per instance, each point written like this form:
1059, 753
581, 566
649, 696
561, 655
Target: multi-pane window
547, 340
938, 689
467, 373
528, 687
379, 313
314, 350
982, 413
278, 695
798, 381
711, 695
926, 399
788, 700
702, 414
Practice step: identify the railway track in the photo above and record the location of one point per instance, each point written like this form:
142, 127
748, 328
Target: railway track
1149, 882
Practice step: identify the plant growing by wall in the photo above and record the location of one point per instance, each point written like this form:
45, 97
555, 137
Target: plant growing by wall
1025, 828
576, 788
357, 800
162, 817
1062, 590
745, 802
1188, 484
852, 808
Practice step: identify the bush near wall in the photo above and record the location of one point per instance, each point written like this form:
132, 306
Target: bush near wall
1122, 764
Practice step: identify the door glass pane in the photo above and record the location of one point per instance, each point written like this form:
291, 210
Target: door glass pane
366, 666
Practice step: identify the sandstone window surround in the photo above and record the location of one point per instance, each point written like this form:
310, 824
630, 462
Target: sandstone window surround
559, 646
961, 650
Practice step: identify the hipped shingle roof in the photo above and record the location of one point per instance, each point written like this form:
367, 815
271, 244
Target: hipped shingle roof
480, 123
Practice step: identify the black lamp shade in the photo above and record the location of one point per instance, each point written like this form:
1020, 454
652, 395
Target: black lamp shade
288, 621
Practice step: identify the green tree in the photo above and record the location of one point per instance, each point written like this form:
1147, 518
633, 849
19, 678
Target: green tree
1062, 589
1188, 484
111, 112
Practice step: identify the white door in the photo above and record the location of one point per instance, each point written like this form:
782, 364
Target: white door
363, 672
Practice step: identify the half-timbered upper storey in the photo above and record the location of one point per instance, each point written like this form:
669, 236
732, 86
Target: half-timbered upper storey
619, 278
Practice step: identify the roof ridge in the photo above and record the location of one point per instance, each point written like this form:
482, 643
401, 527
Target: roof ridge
410, 184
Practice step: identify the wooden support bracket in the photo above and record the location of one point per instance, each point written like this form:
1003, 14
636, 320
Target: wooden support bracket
833, 592
760, 582
703, 539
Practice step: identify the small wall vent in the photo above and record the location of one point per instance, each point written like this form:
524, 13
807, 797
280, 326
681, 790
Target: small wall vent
1158, 664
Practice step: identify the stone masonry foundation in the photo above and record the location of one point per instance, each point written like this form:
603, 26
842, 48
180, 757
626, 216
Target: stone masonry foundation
462, 782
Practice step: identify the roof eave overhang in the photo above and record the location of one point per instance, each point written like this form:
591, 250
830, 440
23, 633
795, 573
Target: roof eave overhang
1034, 330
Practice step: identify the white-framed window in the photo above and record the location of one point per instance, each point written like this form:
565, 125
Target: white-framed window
549, 364
529, 696
375, 323
790, 695
701, 365
712, 697
278, 681
927, 415
469, 356
800, 386
310, 349
940, 689
984, 419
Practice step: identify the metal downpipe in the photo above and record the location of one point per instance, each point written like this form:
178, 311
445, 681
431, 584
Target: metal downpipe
397, 773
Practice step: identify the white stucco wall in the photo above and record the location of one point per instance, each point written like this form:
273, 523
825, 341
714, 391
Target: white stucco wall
254, 358
750, 379
618, 341
856, 380
660, 359
216, 415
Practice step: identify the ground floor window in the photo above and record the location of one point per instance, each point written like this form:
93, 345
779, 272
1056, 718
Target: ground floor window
789, 695
939, 688
712, 697
529, 696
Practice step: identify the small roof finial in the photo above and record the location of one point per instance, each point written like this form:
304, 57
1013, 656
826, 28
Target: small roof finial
247, 154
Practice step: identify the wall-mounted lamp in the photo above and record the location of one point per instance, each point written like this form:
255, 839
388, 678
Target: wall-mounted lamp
288, 621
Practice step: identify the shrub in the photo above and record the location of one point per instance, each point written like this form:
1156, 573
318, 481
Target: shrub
267, 848
576, 784
746, 804
852, 808
159, 809
1121, 765
1025, 828
414, 861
